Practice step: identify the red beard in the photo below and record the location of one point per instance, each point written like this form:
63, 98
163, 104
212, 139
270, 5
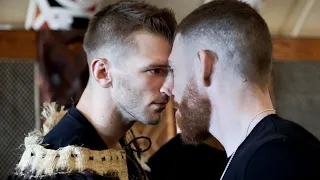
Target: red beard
193, 116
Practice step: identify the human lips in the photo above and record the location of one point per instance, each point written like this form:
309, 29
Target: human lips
161, 101
160, 105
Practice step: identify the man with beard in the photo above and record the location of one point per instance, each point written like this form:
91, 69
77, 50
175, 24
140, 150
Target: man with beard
221, 63
127, 46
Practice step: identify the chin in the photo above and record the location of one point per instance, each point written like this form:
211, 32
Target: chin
194, 139
150, 121
153, 122
187, 139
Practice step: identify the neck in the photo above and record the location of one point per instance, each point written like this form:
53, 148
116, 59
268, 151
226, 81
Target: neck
236, 112
104, 117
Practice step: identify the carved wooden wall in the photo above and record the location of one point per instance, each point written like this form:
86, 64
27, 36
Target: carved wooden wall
63, 66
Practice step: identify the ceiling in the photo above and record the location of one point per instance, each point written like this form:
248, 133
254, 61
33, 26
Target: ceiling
294, 18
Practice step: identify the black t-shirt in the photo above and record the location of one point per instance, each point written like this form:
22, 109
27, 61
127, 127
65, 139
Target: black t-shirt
175, 161
276, 149
75, 129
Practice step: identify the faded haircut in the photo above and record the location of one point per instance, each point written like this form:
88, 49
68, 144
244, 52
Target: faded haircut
111, 31
235, 33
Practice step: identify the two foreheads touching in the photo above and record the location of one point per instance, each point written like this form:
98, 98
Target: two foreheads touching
233, 32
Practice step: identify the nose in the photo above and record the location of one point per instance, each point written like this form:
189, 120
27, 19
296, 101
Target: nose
167, 86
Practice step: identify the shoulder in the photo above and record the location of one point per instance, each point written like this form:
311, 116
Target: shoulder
274, 124
285, 158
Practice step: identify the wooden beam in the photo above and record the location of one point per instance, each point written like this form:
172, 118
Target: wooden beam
18, 45
22, 45
297, 49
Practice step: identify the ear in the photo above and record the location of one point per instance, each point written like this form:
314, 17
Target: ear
207, 62
100, 69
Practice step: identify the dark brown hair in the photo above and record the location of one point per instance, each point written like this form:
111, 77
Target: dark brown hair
112, 27
236, 33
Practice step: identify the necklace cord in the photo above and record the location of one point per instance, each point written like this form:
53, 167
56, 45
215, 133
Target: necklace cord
247, 133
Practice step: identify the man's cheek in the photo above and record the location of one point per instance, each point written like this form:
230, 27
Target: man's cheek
178, 97
179, 94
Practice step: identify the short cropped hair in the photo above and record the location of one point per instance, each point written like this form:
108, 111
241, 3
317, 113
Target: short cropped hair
236, 33
112, 28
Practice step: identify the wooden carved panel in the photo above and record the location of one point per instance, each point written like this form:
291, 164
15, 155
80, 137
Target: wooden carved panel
62, 65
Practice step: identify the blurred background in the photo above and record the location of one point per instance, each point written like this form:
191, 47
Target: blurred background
41, 60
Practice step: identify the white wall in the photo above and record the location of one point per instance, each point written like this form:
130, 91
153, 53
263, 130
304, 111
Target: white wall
13, 11
281, 15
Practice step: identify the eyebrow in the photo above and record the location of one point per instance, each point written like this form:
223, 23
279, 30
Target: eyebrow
157, 66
